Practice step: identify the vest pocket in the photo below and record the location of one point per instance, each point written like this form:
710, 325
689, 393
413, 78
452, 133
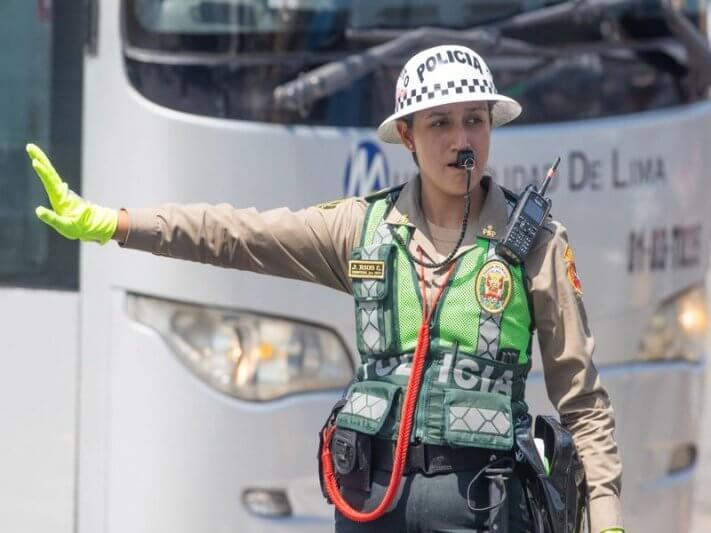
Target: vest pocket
478, 419
374, 299
368, 407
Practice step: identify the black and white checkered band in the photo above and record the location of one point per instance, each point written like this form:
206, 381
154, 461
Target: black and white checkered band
424, 93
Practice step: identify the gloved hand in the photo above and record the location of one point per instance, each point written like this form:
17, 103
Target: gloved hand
72, 216
616, 530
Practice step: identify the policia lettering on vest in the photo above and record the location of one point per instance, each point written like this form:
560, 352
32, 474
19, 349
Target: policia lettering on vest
434, 433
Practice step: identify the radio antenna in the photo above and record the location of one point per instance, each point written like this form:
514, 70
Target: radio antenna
549, 176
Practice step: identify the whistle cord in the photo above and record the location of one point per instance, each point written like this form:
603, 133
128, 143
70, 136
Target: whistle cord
407, 413
446, 260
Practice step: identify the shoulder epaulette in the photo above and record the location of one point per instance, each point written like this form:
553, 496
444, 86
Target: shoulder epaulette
393, 192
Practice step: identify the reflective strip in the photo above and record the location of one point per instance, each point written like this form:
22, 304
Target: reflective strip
489, 325
373, 338
366, 405
370, 331
478, 420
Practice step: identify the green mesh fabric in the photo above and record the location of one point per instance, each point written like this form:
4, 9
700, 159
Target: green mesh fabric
459, 311
409, 307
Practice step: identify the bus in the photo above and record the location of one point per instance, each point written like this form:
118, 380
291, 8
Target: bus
146, 395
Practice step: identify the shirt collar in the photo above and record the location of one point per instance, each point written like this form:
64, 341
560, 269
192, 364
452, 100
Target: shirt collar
491, 224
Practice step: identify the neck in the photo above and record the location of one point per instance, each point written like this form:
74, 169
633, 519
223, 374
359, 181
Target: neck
447, 210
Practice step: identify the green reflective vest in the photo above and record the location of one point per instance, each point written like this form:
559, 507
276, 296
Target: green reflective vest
472, 390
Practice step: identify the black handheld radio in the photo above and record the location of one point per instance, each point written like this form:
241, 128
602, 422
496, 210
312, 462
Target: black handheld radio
526, 220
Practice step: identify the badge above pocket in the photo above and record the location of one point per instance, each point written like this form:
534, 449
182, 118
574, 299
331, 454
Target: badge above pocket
370, 269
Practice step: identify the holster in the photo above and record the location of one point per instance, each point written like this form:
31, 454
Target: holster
352, 459
558, 498
351, 452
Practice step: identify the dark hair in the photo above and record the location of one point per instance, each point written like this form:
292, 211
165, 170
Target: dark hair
409, 121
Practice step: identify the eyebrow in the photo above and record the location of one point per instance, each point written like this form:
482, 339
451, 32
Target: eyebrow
447, 113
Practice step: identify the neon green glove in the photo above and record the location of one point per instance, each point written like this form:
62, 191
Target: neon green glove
73, 217
616, 530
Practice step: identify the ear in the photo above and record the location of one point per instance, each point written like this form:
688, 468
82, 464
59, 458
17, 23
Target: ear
405, 135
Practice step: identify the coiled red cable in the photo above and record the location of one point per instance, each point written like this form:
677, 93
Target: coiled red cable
406, 419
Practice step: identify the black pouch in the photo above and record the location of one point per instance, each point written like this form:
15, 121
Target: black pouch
558, 497
566, 481
330, 421
352, 458
359, 477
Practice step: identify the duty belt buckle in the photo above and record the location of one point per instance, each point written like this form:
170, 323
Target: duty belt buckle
417, 455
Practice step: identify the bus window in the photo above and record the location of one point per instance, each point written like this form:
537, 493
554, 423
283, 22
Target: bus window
40, 83
225, 59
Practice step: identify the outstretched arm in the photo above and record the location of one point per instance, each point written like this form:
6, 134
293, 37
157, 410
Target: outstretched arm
312, 244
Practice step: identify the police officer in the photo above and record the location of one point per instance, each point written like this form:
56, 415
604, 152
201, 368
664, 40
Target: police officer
444, 324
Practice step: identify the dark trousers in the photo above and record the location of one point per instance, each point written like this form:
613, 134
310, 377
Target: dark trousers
434, 504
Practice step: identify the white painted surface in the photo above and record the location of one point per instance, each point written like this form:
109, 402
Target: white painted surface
38, 384
702, 491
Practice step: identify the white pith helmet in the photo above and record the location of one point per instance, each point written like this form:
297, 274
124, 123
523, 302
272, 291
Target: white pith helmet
445, 75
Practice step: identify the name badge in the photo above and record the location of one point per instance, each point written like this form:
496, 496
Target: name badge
366, 269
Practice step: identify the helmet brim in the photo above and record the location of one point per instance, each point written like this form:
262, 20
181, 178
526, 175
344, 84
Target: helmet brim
504, 110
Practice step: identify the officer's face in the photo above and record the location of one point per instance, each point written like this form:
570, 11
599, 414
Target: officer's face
437, 134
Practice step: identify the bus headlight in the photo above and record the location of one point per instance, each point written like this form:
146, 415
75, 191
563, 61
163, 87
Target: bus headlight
247, 355
677, 331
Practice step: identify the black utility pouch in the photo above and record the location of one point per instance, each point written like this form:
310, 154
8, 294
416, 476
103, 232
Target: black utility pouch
566, 481
558, 496
330, 421
352, 459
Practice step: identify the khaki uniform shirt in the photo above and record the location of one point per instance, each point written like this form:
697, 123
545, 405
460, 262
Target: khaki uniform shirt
315, 244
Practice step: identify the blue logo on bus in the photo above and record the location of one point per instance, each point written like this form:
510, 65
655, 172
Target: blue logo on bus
366, 170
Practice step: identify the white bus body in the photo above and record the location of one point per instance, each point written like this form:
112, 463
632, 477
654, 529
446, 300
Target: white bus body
107, 431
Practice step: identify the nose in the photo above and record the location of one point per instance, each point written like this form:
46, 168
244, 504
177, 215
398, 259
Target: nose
462, 139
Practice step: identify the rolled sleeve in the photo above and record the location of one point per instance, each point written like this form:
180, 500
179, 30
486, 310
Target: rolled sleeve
572, 380
312, 244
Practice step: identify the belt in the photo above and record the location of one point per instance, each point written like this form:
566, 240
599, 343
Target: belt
432, 459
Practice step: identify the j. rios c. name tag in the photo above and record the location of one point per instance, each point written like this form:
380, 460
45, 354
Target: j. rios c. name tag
366, 269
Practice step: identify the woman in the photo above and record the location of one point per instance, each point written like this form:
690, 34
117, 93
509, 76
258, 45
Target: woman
444, 322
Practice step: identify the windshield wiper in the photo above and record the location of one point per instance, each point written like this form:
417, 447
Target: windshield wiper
299, 94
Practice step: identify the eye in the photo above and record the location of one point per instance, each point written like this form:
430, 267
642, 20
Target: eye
474, 119
439, 123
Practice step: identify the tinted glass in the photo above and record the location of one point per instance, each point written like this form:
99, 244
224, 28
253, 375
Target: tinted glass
226, 58
40, 85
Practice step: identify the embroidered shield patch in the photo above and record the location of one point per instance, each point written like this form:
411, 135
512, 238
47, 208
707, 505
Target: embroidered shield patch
572, 271
493, 286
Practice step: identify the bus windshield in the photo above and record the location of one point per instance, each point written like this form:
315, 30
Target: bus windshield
571, 60
211, 26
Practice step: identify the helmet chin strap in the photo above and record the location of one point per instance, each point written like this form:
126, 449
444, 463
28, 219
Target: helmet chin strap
467, 161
